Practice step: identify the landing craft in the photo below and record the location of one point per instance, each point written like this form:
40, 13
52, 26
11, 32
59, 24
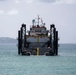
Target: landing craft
38, 40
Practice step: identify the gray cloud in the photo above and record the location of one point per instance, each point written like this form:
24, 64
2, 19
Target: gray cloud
3, 0
47, 1
56, 1
42, 1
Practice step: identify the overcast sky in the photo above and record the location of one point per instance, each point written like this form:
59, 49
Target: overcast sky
60, 12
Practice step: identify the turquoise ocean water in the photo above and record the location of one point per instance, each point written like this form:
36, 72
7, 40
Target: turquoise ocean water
13, 64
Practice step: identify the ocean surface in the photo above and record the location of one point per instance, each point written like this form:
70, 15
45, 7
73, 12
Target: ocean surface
13, 64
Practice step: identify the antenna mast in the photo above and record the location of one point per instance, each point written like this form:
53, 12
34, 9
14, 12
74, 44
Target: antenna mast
38, 19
